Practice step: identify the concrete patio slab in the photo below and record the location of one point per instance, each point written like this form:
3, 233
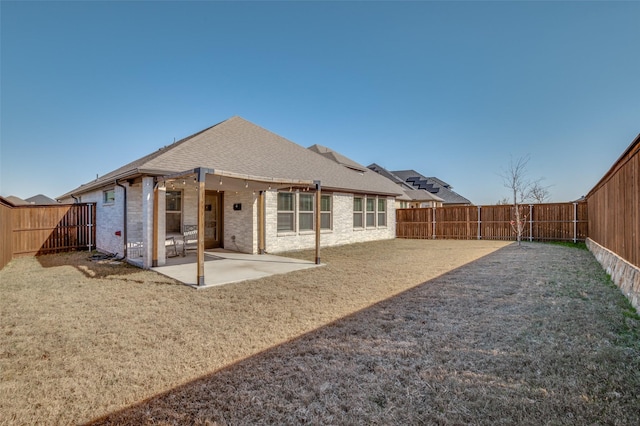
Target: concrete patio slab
225, 267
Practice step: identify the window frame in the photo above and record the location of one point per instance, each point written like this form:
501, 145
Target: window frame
306, 213
109, 196
371, 213
381, 213
358, 213
179, 213
291, 213
325, 213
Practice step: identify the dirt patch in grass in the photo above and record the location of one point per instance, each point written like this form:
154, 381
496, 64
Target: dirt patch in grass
531, 334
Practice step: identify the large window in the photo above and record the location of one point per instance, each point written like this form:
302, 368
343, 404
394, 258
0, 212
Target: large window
358, 212
173, 211
325, 212
297, 212
369, 212
382, 212
286, 213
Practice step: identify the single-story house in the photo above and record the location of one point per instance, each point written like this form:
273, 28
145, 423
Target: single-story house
243, 188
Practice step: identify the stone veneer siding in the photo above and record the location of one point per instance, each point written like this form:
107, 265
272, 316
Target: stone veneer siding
342, 231
625, 275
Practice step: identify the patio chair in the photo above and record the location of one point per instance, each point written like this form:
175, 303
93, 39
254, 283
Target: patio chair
189, 238
170, 245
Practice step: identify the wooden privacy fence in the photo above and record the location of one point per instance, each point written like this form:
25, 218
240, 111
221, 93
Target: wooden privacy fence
34, 230
614, 206
545, 222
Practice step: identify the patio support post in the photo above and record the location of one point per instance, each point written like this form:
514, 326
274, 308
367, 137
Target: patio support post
261, 223
202, 175
154, 257
318, 214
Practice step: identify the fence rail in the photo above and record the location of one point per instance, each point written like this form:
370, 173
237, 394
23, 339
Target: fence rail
34, 230
545, 222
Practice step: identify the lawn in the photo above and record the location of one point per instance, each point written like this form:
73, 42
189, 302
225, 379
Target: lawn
393, 332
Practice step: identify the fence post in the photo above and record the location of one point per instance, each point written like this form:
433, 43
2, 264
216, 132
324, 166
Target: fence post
433, 228
90, 206
479, 225
530, 222
575, 222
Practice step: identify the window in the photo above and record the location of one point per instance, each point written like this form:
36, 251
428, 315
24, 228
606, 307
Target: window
302, 206
285, 211
173, 214
371, 209
357, 212
382, 212
325, 212
371, 212
108, 196
305, 212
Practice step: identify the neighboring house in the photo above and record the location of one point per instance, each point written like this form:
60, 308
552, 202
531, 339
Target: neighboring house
412, 197
434, 186
38, 200
41, 200
252, 190
16, 201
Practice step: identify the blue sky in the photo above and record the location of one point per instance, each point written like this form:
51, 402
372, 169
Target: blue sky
450, 89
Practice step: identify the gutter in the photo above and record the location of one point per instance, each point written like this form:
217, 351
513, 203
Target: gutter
124, 231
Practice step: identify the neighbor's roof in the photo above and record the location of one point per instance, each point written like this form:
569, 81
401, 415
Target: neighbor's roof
239, 146
16, 201
432, 185
410, 193
41, 199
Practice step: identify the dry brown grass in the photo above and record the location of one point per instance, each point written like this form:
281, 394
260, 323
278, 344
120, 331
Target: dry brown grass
524, 335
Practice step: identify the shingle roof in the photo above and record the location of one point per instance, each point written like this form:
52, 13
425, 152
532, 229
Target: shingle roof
239, 146
432, 185
16, 201
410, 192
41, 199
337, 157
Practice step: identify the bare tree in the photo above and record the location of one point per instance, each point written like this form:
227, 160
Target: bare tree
522, 189
539, 193
503, 201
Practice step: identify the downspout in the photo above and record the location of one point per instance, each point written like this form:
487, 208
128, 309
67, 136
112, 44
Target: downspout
75, 199
124, 231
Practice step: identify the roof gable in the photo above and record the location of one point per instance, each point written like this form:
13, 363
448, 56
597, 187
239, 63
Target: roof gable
239, 146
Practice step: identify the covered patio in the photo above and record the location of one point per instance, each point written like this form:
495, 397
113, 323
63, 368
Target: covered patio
206, 268
225, 267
